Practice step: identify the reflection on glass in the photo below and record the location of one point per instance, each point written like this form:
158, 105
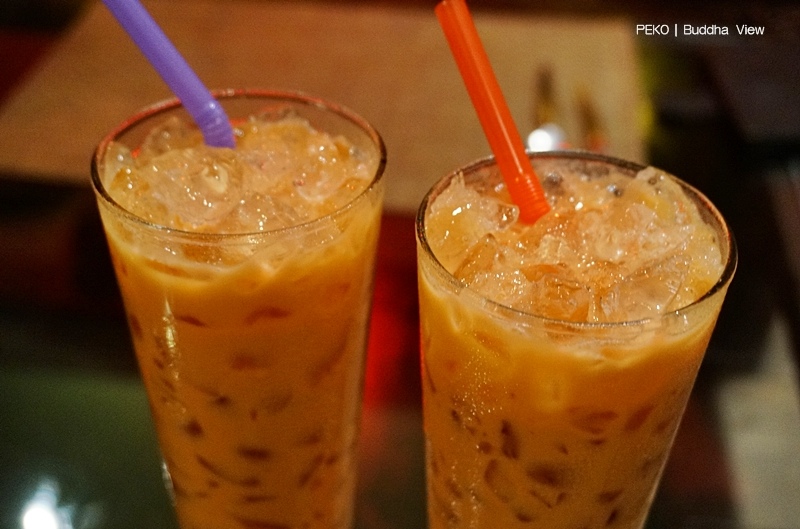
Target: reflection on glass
42, 510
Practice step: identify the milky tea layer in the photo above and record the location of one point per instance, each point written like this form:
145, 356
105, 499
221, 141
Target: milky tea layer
538, 424
251, 348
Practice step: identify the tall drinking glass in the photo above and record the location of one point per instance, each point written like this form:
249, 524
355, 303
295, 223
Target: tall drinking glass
249, 313
555, 370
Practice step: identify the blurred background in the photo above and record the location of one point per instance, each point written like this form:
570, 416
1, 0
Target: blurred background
720, 111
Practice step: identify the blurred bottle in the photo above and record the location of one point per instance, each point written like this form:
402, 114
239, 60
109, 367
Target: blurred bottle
547, 134
593, 135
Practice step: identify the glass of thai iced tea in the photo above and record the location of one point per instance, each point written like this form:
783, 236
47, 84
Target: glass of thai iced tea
558, 357
246, 276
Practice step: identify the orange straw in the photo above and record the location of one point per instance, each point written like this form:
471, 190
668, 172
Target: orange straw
495, 117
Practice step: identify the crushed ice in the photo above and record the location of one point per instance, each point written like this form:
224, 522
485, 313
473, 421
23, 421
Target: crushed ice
613, 248
282, 173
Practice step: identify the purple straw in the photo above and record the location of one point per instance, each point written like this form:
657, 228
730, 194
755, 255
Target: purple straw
173, 69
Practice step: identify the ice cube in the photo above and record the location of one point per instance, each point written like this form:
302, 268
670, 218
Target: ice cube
480, 259
262, 212
201, 185
323, 169
555, 293
552, 247
266, 169
660, 193
460, 217
617, 234
130, 188
173, 133
116, 167
290, 158
493, 269
345, 192
647, 293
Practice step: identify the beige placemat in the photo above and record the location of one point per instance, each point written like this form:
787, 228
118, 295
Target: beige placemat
391, 64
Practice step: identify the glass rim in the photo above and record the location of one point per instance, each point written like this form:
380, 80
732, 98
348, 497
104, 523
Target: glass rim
227, 94
488, 161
